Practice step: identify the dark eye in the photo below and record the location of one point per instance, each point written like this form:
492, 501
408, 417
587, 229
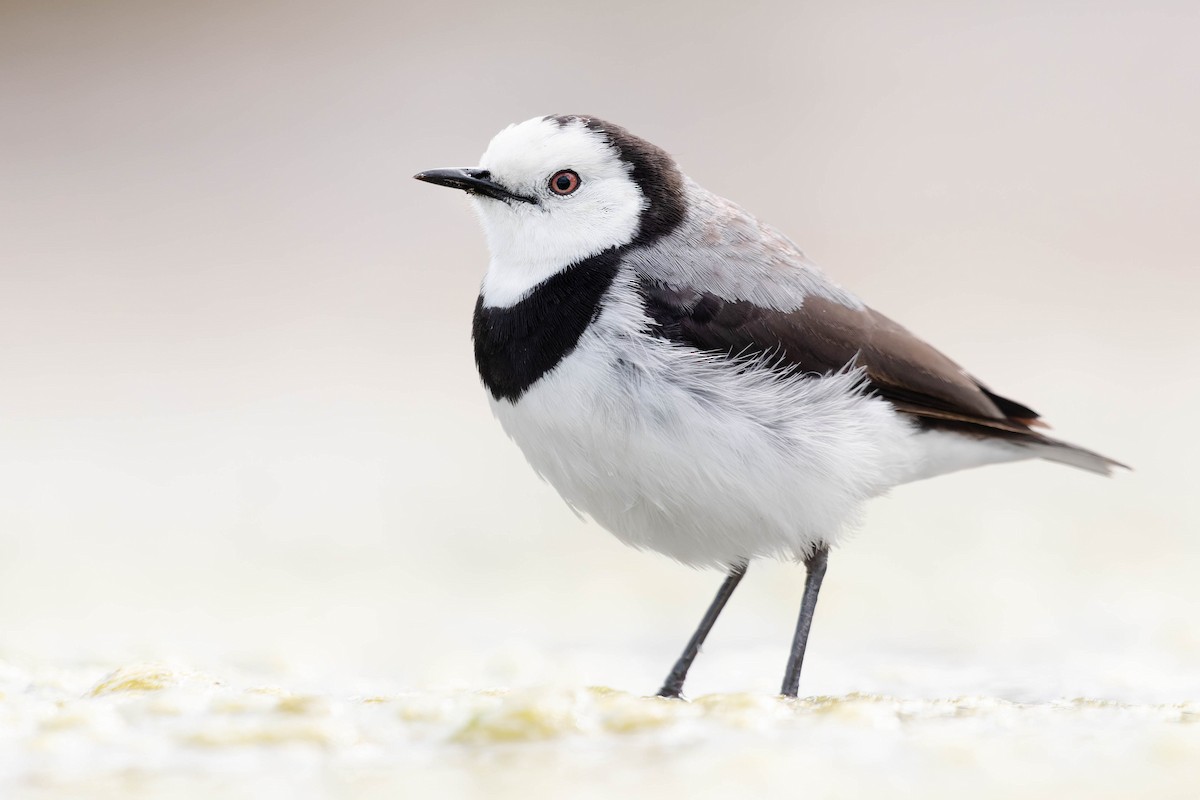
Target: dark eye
564, 182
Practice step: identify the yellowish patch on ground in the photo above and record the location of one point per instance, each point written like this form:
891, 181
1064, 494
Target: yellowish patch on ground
136, 678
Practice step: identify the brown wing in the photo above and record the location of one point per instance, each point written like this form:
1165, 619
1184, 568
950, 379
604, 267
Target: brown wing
825, 336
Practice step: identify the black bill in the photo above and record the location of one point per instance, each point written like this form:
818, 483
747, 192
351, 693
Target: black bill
473, 181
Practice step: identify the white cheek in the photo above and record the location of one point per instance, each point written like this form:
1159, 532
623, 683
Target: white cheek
530, 244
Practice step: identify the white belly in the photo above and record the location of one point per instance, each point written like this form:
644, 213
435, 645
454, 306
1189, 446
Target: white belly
709, 464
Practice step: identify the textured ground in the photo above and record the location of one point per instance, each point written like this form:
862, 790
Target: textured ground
151, 730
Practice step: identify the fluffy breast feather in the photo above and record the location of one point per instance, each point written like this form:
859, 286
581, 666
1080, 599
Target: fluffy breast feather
708, 462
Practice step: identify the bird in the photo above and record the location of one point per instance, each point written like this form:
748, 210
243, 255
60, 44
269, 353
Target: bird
687, 377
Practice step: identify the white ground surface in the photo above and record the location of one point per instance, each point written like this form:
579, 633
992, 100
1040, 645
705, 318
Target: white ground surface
151, 730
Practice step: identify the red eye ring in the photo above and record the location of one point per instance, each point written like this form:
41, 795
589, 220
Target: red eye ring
564, 182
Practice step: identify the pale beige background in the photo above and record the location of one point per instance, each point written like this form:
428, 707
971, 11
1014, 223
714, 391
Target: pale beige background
239, 421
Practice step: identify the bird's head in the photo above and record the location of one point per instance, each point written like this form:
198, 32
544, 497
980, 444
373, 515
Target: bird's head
554, 191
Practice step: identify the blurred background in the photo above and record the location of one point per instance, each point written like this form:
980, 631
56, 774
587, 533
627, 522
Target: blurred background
239, 419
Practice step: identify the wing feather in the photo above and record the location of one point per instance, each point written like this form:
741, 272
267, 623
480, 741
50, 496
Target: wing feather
823, 336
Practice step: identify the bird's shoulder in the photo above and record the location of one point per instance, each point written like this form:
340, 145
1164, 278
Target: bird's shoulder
723, 248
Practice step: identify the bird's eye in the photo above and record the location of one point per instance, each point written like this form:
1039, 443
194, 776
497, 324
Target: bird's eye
564, 182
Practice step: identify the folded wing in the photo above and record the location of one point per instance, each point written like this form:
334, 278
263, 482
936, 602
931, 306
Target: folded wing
823, 336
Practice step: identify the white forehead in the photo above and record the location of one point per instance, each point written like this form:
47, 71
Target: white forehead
533, 150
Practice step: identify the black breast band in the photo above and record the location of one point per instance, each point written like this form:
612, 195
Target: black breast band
517, 345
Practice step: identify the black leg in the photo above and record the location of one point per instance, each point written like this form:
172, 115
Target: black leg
674, 683
816, 564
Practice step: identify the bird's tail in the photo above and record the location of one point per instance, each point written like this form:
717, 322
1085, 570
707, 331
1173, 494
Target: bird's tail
1065, 453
